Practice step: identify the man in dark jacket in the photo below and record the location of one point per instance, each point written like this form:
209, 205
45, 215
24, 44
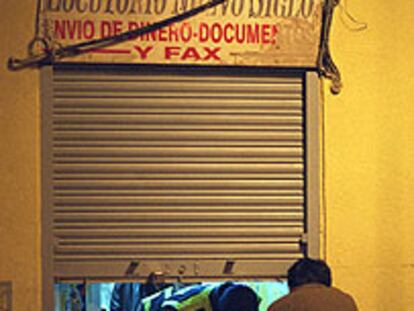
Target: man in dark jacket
310, 287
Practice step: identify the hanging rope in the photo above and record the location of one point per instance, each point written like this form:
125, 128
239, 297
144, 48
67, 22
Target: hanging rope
50, 54
38, 42
326, 65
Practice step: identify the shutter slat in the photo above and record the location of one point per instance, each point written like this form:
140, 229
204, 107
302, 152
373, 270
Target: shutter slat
180, 240
162, 105
190, 248
179, 136
187, 168
185, 231
197, 87
64, 263
188, 209
111, 76
181, 118
204, 152
172, 215
187, 95
127, 142
178, 200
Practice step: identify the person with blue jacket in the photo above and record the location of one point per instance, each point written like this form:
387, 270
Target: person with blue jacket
226, 296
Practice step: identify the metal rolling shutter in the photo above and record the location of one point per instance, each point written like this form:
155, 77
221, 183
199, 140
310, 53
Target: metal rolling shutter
174, 171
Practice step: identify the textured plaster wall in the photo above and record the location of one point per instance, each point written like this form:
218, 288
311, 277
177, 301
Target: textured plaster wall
369, 157
19, 160
369, 152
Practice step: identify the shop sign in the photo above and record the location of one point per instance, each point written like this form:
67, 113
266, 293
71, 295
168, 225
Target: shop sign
283, 33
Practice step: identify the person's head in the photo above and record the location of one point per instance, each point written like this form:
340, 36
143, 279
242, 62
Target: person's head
238, 297
308, 271
155, 282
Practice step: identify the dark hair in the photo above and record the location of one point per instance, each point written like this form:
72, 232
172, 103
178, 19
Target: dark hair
307, 270
237, 297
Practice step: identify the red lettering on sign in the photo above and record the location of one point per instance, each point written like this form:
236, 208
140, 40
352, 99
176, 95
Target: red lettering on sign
143, 52
211, 53
74, 29
171, 51
117, 27
237, 33
110, 28
192, 53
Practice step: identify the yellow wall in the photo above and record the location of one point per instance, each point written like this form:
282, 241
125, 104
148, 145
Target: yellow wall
368, 156
19, 160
